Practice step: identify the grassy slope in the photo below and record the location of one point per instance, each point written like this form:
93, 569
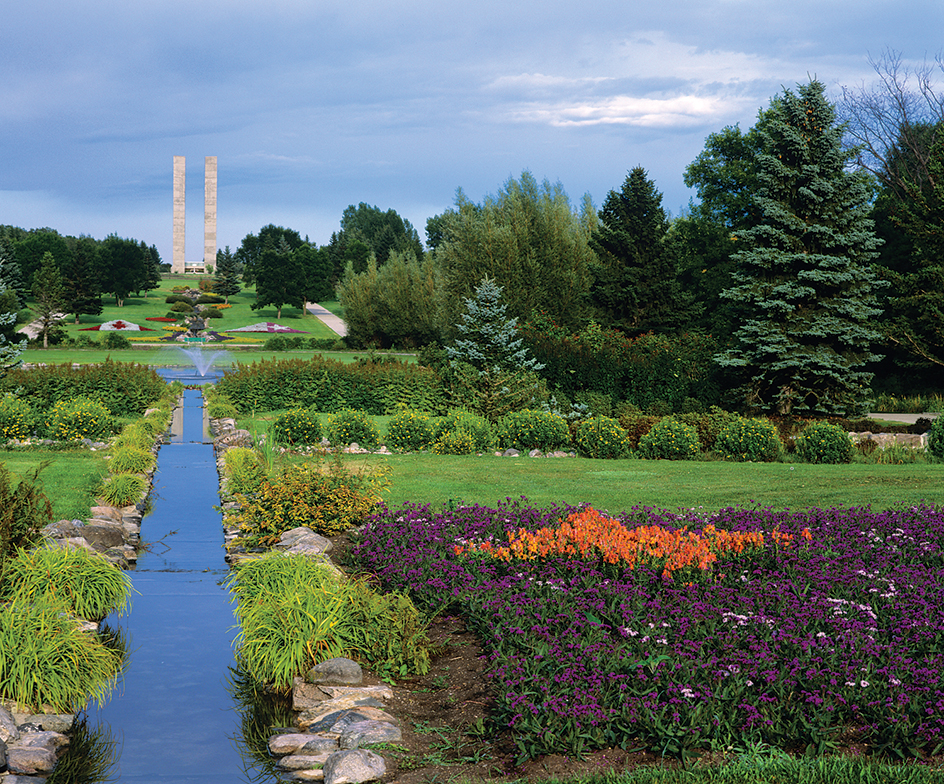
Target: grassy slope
69, 482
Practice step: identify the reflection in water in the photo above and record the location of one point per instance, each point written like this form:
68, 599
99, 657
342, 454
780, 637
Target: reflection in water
260, 712
90, 758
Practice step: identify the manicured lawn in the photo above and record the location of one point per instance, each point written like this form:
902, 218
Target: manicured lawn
619, 485
69, 482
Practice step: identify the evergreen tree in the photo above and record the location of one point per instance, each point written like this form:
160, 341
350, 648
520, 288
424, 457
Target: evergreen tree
489, 338
80, 271
492, 373
226, 282
50, 296
12, 343
11, 277
635, 280
281, 278
804, 276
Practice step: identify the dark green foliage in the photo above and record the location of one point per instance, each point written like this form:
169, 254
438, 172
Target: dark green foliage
384, 233
209, 299
936, 437
396, 305
126, 266
640, 371
281, 278
744, 439
226, 282
297, 426
11, 276
329, 386
125, 388
823, 442
211, 313
635, 278
24, 510
80, 275
804, 277
29, 250
670, 439
115, 340
270, 237
50, 296
708, 424
531, 429
529, 240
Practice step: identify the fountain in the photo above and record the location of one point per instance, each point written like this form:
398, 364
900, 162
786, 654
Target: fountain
204, 365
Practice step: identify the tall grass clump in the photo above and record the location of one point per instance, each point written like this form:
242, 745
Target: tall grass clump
244, 469
46, 659
86, 583
131, 460
122, 489
294, 612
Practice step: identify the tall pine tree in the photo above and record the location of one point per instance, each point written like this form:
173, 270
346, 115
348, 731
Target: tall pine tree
804, 277
226, 282
635, 280
50, 296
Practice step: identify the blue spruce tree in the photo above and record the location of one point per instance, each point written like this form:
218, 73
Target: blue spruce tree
804, 279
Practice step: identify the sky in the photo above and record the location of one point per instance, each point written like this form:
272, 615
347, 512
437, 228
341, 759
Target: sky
314, 105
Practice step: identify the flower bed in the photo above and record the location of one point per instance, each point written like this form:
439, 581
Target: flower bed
805, 630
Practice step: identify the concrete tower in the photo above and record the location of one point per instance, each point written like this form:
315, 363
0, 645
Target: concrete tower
180, 213
209, 212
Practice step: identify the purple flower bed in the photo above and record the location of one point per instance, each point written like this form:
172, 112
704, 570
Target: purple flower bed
809, 646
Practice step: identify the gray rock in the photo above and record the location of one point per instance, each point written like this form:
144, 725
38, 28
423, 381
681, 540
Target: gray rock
339, 721
8, 729
362, 733
304, 761
535, 453
45, 739
297, 742
353, 767
511, 453
339, 671
30, 759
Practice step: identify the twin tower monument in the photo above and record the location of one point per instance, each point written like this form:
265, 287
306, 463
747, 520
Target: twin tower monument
179, 263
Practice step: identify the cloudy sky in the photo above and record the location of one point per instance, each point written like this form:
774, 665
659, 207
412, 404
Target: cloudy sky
312, 105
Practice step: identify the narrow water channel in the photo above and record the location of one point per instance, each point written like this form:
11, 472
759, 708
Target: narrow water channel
171, 713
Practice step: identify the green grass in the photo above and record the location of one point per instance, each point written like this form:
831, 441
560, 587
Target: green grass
69, 482
618, 485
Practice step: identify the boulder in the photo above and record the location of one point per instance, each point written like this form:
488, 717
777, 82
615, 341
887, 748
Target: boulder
353, 767
339, 671
297, 742
8, 728
363, 733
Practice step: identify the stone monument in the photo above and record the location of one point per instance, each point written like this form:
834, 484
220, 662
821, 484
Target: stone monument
179, 263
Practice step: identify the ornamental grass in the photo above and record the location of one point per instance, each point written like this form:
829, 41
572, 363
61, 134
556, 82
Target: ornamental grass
84, 582
827, 634
46, 659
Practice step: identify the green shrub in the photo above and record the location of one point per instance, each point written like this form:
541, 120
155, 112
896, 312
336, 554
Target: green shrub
669, 439
297, 426
211, 313
173, 299
125, 388
454, 442
123, 489
84, 581
478, 428
756, 440
245, 470
16, 418
636, 426
936, 437
822, 442
181, 307
81, 417
328, 499
115, 340
349, 426
294, 612
46, 658
602, 437
24, 510
130, 460
708, 424
409, 431
532, 429
209, 299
